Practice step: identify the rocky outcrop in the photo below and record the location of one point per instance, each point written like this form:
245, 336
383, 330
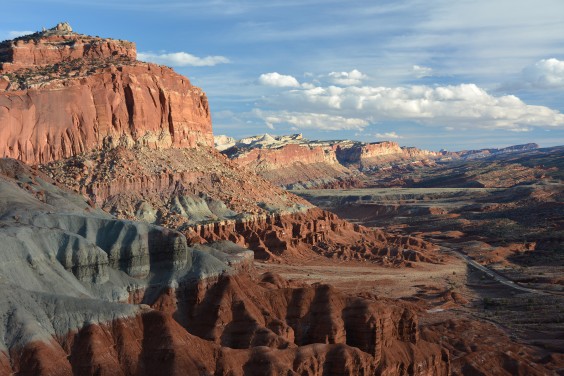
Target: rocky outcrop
85, 293
172, 187
105, 99
380, 154
57, 45
273, 159
290, 161
296, 163
295, 235
154, 344
484, 153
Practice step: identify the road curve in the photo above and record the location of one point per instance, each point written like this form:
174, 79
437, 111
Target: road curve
499, 278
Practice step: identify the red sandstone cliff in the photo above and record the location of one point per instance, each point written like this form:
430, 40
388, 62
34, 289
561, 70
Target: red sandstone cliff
267, 159
104, 99
242, 328
57, 45
210, 199
366, 156
294, 162
295, 235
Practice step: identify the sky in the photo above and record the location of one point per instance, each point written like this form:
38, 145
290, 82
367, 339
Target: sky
435, 74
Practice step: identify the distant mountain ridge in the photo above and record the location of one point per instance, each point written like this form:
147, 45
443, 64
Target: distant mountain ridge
294, 162
482, 153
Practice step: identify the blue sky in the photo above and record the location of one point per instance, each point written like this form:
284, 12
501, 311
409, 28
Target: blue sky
434, 74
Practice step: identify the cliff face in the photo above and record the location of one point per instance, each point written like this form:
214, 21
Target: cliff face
39, 49
271, 159
294, 236
296, 163
293, 164
105, 99
220, 201
374, 155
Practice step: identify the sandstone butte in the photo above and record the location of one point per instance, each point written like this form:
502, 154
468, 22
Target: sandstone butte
64, 94
87, 291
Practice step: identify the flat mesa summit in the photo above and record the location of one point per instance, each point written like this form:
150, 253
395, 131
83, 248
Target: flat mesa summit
65, 93
128, 241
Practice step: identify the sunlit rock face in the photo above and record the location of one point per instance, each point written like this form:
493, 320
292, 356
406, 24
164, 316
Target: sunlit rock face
64, 93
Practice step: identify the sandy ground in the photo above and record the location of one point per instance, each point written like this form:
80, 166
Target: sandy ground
390, 282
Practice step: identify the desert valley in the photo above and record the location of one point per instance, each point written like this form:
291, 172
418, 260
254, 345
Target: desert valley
136, 241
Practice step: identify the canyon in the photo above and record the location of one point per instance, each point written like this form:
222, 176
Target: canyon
129, 242
132, 246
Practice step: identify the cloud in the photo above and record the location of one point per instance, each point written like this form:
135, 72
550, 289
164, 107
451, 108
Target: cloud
302, 120
278, 80
421, 71
545, 74
456, 106
181, 59
353, 77
14, 33
387, 135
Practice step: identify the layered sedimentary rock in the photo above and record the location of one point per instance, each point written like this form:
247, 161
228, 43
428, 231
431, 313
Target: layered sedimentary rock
484, 153
92, 291
59, 44
61, 106
295, 235
294, 165
294, 162
170, 188
297, 163
86, 293
374, 155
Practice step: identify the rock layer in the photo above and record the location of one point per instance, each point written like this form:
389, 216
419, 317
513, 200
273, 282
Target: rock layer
294, 235
378, 154
85, 293
226, 203
57, 45
104, 101
293, 165
296, 163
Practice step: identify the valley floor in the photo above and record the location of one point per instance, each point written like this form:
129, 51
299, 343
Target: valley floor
498, 288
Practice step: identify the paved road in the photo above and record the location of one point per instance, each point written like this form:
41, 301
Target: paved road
500, 278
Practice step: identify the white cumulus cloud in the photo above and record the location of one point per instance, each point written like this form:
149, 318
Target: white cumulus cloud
15, 33
545, 73
181, 59
387, 135
278, 80
302, 120
421, 71
353, 77
457, 106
